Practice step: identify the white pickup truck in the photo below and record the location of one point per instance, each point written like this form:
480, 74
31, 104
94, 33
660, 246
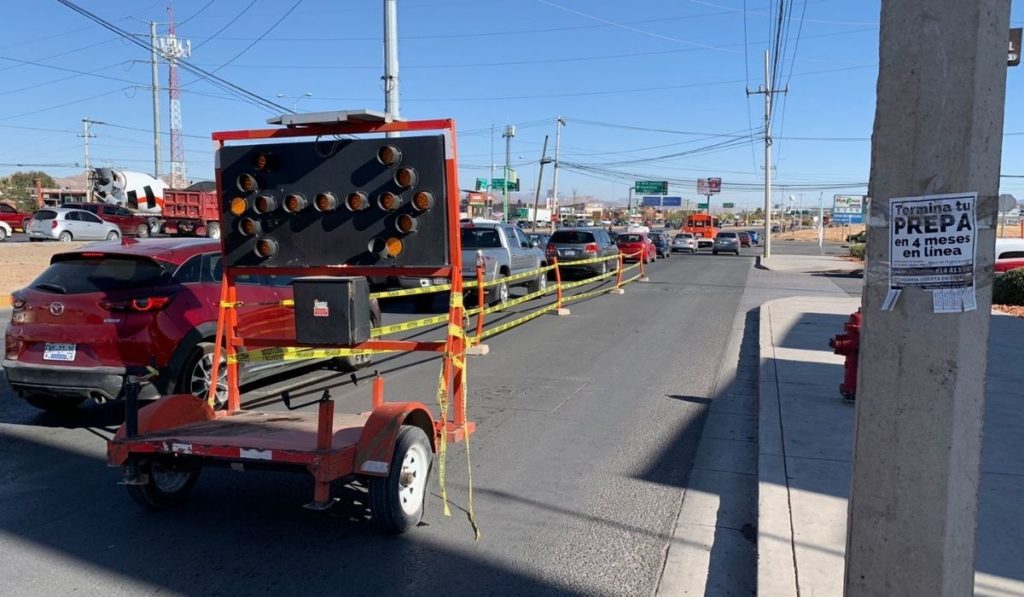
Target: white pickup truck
505, 250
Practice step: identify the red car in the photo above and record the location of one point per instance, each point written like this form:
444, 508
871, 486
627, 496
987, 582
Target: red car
130, 224
1004, 265
744, 239
105, 307
637, 245
14, 220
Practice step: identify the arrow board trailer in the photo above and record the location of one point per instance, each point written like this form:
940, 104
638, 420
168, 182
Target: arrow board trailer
326, 211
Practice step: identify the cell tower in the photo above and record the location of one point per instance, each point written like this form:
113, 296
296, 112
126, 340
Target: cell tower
173, 49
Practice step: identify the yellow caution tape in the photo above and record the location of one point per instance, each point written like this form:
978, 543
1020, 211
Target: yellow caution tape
411, 291
514, 302
583, 295
569, 285
507, 326
575, 262
289, 353
405, 326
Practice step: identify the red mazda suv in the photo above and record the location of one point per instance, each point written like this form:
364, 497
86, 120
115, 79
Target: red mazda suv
105, 307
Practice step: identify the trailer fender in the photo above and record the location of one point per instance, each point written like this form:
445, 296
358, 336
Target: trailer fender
377, 442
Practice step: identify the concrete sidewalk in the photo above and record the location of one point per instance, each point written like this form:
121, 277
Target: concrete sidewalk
811, 264
806, 446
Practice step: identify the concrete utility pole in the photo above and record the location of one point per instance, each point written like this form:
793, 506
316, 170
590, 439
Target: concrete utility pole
391, 61
154, 55
510, 131
87, 134
540, 177
768, 92
921, 388
559, 123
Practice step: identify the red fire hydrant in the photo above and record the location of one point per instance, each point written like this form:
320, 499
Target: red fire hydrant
848, 345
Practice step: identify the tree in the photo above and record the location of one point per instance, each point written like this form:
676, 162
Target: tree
20, 188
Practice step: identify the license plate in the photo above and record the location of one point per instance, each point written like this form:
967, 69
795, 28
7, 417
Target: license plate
439, 281
569, 253
59, 352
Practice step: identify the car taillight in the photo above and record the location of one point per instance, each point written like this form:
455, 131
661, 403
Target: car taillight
17, 302
143, 304
590, 248
53, 224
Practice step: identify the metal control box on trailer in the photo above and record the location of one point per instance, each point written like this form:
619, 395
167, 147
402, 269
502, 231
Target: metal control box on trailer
331, 310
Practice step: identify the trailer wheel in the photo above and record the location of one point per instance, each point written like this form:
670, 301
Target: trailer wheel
213, 230
155, 224
397, 500
168, 485
142, 231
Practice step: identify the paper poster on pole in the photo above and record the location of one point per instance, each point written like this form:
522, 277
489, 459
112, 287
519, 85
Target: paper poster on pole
932, 247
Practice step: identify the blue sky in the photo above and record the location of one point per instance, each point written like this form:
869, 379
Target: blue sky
635, 81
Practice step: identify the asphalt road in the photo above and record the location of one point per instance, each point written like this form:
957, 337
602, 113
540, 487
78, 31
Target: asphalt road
587, 430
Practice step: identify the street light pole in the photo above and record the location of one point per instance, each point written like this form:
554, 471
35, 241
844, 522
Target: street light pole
559, 123
510, 131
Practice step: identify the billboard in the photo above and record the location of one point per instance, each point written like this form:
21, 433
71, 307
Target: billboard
848, 209
709, 186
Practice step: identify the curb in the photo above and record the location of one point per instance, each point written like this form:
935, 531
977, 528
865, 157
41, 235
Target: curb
776, 568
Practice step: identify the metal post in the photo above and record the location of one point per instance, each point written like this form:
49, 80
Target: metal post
920, 400
540, 177
559, 123
767, 159
391, 62
156, 99
821, 226
86, 134
510, 131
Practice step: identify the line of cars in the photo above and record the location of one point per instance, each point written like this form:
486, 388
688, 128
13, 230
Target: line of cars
73, 221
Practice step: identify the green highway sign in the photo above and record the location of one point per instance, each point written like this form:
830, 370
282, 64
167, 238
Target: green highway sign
702, 206
651, 187
500, 183
482, 184
728, 205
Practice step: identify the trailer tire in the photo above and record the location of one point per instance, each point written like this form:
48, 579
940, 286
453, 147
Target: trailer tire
142, 231
166, 487
213, 230
397, 501
155, 224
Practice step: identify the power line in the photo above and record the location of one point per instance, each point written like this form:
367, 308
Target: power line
262, 35
224, 28
197, 13
254, 98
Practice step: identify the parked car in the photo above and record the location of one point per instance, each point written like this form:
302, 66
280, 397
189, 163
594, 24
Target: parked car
661, 248
128, 223
1004, 265
859, 237
684, 241
583, 243
612, 235
755, 237
102, 308
744, 238
12, 219
67, 225
539, 239
728, 242
636, 245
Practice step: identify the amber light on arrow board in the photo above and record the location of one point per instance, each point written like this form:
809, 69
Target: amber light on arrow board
325, 202
265, 204
406, 177
389, 155
294, 203
249, 227
423, 200
266, 247
247, 183
357, 201
238, 206
388, 201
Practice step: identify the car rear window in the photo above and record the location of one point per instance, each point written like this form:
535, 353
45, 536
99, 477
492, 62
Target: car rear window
630, 238
80, 273
572, 237
44, 214
684, 236
726, 235
480, 238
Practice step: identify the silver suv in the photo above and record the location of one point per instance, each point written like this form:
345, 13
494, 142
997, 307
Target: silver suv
67, 225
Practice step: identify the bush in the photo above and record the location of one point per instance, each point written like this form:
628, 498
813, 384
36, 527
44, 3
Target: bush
857, 250
1008, 289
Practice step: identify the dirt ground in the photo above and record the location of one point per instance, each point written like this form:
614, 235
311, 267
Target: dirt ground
20, 263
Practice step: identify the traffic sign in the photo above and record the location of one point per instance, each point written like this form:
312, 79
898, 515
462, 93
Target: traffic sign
728, 205
702, 206
671, 201
499, 184
659, 187
1007, 203
651, 201
482, 184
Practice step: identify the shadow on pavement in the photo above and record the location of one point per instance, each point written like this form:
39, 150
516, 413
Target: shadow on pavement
239, 534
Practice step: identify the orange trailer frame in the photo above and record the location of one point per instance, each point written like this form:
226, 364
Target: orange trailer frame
329, 446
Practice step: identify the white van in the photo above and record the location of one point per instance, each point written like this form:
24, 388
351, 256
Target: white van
1009, 248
